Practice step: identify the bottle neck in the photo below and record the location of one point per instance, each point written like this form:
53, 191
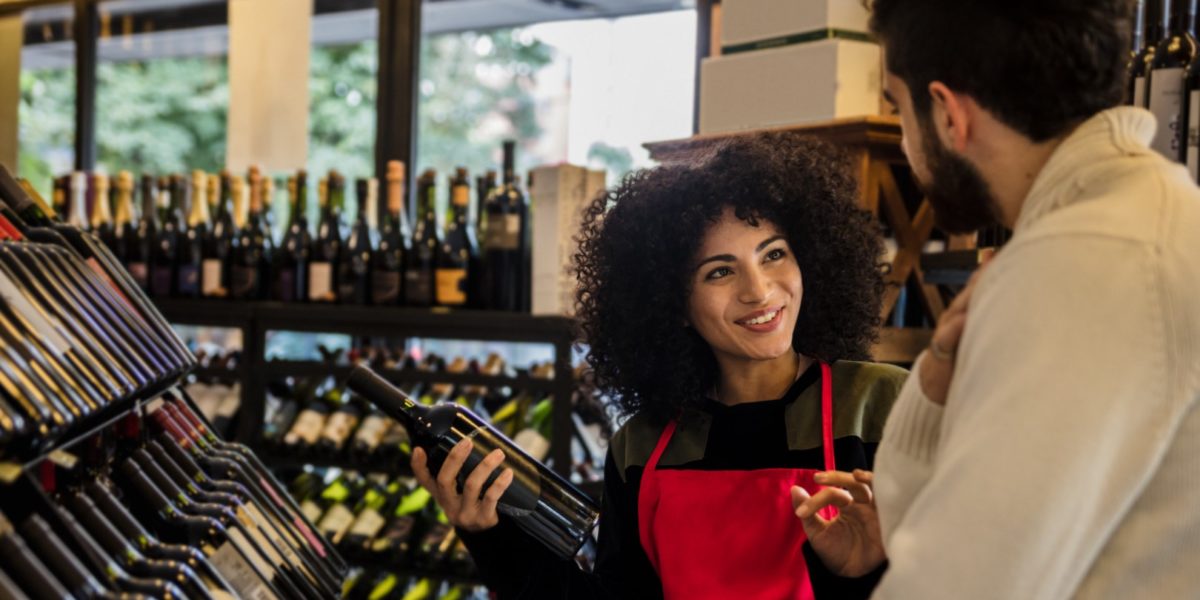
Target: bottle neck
124, 208
199, 212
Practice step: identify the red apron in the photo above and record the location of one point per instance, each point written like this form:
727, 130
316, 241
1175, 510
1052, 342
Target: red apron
730, 534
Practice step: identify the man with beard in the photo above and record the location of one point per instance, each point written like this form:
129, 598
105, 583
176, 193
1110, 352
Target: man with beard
1048, 442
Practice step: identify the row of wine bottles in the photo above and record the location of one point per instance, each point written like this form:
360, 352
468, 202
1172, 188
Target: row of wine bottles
1164, 76
317, 417
477, 256
382, 584
165, 510
371, 520
76, 333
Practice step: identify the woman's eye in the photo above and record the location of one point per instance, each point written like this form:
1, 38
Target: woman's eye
776, 254
718, 273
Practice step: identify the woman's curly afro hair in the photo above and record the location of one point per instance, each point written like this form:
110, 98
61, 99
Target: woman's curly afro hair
638, 242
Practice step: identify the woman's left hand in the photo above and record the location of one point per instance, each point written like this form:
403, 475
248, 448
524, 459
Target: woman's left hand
851, 544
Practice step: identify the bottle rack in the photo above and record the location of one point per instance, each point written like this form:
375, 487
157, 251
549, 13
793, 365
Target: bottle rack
258, 319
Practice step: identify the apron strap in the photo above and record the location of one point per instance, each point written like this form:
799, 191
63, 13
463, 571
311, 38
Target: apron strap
663, 440
827, 415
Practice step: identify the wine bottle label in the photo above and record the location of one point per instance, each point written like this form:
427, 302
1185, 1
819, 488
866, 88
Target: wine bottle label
385, 287
212, 284
243, 281
418, 289
368, 524
336, 522
189, 280
1166, 102
140, 272
1193, 134
320, 282
452, 287
371, 431
250, 554
306, 429
267, 529
503, 233
234, 568
1139, 91
533, 443
19, 302
252, 529
338, 428
160, 283
311, 511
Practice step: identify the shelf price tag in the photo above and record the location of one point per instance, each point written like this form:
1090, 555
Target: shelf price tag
63, 459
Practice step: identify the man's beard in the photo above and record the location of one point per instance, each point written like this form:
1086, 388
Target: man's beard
962, 202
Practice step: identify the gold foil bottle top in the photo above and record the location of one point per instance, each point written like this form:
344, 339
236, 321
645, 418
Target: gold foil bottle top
395, 171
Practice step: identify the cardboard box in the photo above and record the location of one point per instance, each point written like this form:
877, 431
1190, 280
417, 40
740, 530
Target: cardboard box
558, 197
749, 23
795, 84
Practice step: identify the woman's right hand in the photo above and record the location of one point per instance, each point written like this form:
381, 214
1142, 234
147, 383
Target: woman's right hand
475, 508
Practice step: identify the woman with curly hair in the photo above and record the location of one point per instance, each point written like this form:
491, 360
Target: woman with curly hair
727, 304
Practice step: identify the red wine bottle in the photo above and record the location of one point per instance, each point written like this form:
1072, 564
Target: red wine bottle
539, 501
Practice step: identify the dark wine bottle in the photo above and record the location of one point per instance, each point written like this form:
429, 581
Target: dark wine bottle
322, 274
139, 246
218, 240
387, 263
339, 426
102, 218
1168, 99
228, 550
165, 256
291, 273
191, 246
458, 252
421, 260
118, 515
539, 501
506, 242
354, 263
484, 184
26, 568
253, 248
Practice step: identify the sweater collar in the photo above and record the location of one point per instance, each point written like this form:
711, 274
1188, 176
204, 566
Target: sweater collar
1112, 133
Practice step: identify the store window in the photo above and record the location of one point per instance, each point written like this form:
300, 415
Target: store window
46, 114
162, 89
343, 93
589, 91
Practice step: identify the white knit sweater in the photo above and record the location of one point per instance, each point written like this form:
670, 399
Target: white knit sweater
1066, 463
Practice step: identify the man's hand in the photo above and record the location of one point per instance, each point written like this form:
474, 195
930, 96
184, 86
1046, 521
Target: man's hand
937, 362
851, 544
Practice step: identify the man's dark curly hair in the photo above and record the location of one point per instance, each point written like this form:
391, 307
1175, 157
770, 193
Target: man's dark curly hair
635, 263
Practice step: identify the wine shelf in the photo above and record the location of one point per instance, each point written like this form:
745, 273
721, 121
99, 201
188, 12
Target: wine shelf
258, 319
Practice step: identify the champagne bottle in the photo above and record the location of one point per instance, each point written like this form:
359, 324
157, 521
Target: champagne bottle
459, 250
322, 281
78, 207
539, 501
421, 260
387, 263
1168, 78
102, 219
294, 252
253, 248
124, 241
354, 264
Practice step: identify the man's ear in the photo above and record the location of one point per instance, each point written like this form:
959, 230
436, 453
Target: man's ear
950, 116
